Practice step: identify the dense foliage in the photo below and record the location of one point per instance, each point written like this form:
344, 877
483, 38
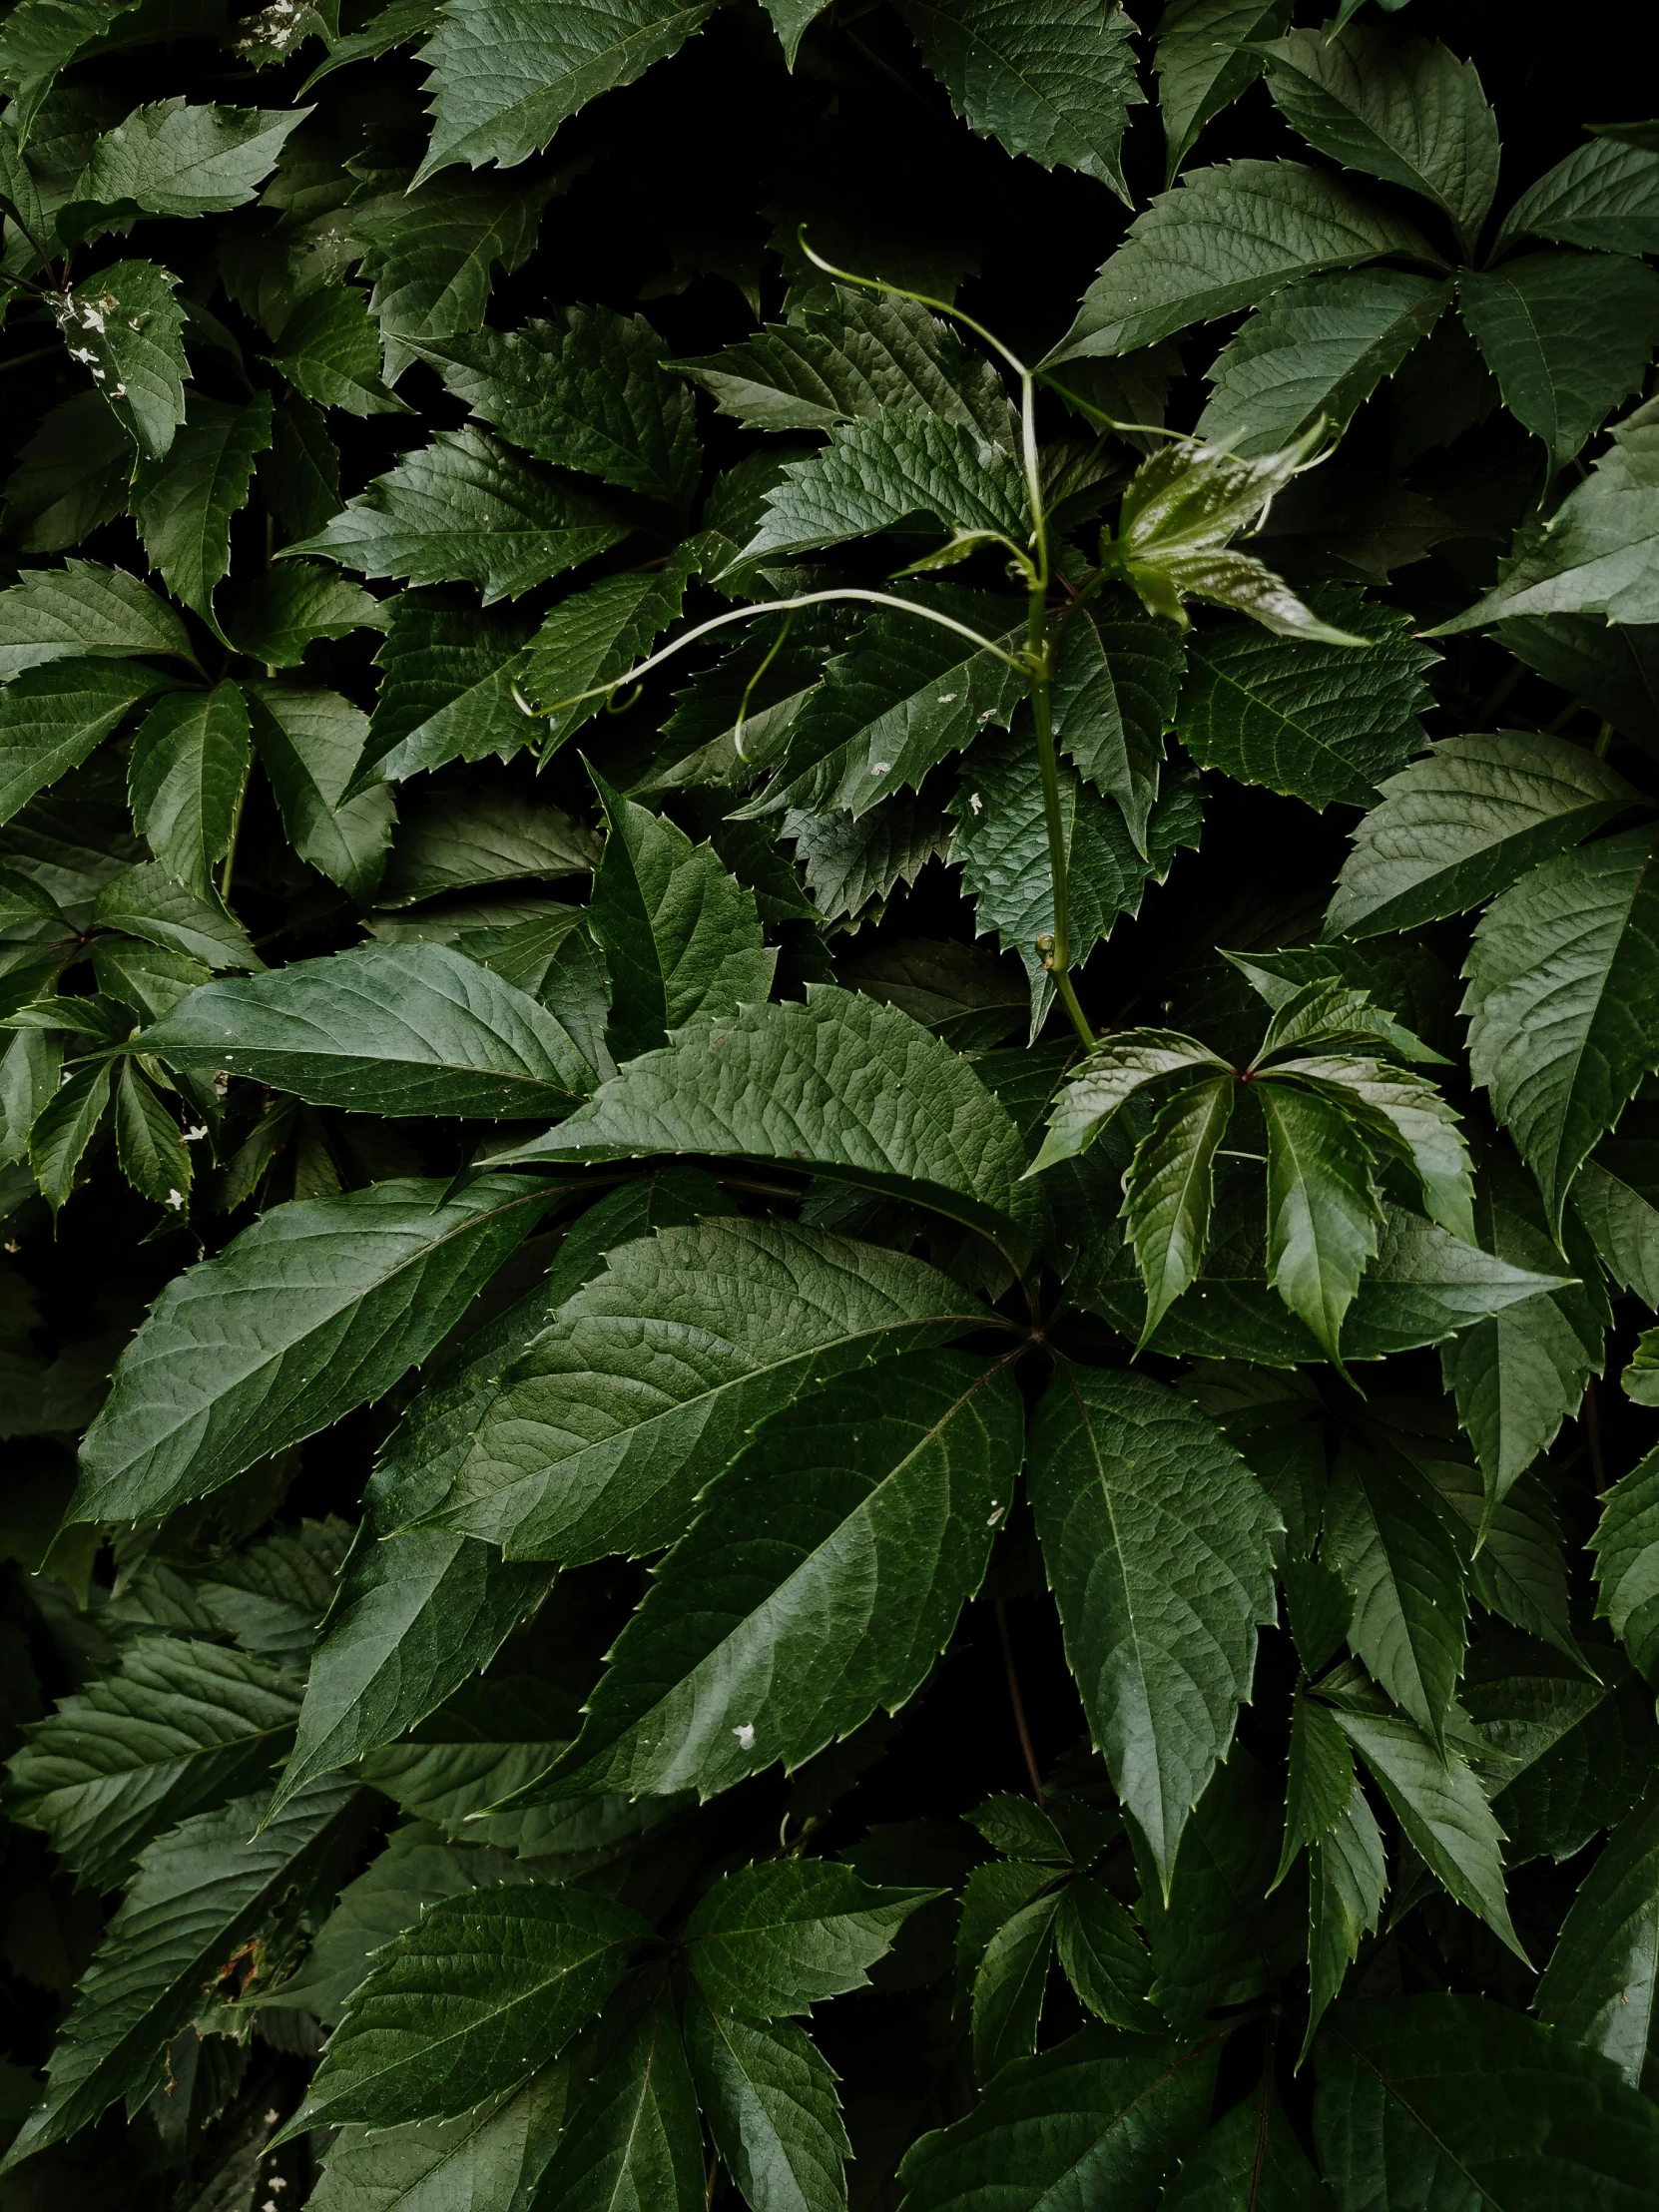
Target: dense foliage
826, 1092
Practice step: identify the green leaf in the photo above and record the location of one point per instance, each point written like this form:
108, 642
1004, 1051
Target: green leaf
1320, 1781
1622, 1223
488, 836
1206, 57
1224, 240
127, 328
1459, 2098
634, 2138
872, 474
310, 743
1170, 1188
591, 639
402, 1029
1249, 2159
200, 1892
1567, 335
1564, 998
433, 255
1519, 1375
856, 1090
603, 1434
185, 777
1102, 1956
1161, 1586
70, 478
145, 902
1098, 2119
319, 1306
1317, 721
1404, 1116
785, 1933
1323, 1210
479, 1993
466, 510
1396, 107
178, 1727
1387, 1539
1115, 689
282, 611
584, 389
849, 864
1604, 196
329, 350
43, 37
445, 690
1626, 1545
770, 2103
1520, 1571
864, 354
1348, 1878
82, 610
542, 69
172, 159
182, 505
738, 1655
65, 1126
52, 718
1121, 1065
490, 2160
964, 994
1053, 82
1009, 1988
1600, 1986
1315, 352
301, 478
1578, 1753
148, 1144
680, 937
1442, 1810
1468, 817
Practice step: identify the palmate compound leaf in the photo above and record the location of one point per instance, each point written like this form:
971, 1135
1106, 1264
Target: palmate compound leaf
864, 354
680, 937
1101, 2118
770, 2099
783, 1934
1563, 1002
1567, 335
1161, 1586
1393, 106
484, 1990
1456, 2100
844, 1086
200, 1892
466, 510
1316, 351
178, 1727
1602, 1981
1206, 57
1465, 819
1320, 721
542, 67
822, 1576
317, 1307
398, 1029
872, 474
1224, 240
1050, 81
1385, 1537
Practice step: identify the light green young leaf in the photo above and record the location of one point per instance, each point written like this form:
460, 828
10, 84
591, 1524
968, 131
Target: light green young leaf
1206, 57
319, 1306
865, 355
466, 510
1169, 1189
583, 389
399, 1028
603, 1434
747, 1650
1463, 820
184, 776
1322, 1208
783, 1934
172, 159
1401, 108
1224, 240
1052, 80
770, 2103
680, 937
1317, 721
127, 328
1567, 335
543, 67
1564, 998
1604, 196
182, 505
200, 1892
81, 611
310, 743
178, 1727
1385, 1537
1314, 353
1161, 1584
485, 1989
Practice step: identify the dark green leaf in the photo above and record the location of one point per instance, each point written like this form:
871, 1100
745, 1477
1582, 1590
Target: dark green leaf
1598, 1987
328, 352
634, 2138
185, 777
1103, 1956
785, 1933
1626, 1545
1206, 57
1250, 2161
127, 328
1604, 196
182, 505
771, 2109
1387, 1539
875, 474
1567, 335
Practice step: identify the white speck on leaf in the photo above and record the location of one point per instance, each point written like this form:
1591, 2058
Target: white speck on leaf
744, 1733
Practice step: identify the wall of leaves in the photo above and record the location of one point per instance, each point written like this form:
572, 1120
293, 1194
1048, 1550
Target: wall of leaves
829, 1106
